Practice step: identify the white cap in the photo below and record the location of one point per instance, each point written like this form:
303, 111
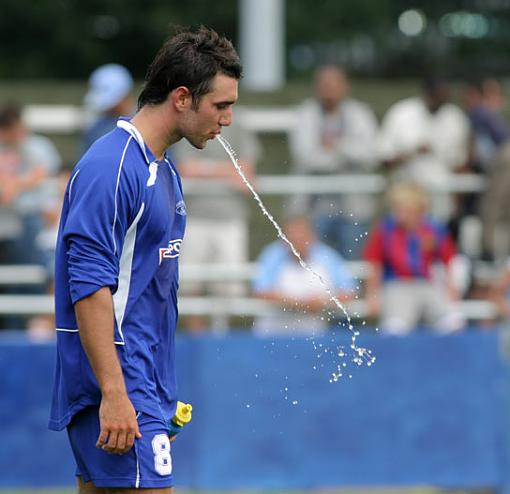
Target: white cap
108, 85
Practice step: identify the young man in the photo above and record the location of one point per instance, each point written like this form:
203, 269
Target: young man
116, 278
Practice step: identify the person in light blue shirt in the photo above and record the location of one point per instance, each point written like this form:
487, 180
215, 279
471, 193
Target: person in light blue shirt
302, 300
116, 276
109, 97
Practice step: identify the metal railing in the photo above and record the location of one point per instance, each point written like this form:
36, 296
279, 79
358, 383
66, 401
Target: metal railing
68, 119
219, 309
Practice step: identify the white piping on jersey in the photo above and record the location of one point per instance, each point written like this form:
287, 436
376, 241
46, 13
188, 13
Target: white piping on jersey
117, 192
120, 297
135, 447
135, 133
137, 481
171, 167
65, 330
153, 174
71, 184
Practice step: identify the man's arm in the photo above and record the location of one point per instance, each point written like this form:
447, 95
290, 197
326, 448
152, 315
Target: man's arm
373, 289
209, 169
117, 415
14, 186
314, 303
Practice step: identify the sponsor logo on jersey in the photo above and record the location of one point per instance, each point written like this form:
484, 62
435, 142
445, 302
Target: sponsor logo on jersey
180, 208
172, 251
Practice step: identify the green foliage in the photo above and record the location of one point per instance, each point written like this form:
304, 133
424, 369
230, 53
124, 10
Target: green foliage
69, 38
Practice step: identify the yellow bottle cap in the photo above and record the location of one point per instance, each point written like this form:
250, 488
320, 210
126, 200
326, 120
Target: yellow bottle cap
182, 413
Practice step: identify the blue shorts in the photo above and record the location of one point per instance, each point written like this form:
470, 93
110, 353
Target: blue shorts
147, 464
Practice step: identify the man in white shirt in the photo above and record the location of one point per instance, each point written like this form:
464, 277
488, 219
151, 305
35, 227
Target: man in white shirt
426, 139
336, 134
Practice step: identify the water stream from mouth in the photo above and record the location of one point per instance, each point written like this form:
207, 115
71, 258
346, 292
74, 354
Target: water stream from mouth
360, 355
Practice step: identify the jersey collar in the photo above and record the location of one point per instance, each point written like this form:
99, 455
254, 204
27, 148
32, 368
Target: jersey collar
126, 125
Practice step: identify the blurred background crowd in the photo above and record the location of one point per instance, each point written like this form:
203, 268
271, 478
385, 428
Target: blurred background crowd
380, 139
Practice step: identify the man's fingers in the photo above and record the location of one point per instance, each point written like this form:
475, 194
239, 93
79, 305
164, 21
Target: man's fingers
117, 442
138, 434
121, 442
111, 445
103, 437
130, 440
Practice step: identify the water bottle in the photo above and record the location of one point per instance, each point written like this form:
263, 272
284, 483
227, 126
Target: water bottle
182, 416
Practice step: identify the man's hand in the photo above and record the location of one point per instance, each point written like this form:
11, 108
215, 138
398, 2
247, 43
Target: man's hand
373, 306
119, 427
117, 416
9, 191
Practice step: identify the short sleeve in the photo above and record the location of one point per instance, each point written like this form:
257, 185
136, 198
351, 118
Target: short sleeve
103, 201
373, 251
338, 271
269, 264
446, 245
42, 152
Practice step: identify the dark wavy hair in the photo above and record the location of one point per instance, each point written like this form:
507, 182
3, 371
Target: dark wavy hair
191, 59
10, 114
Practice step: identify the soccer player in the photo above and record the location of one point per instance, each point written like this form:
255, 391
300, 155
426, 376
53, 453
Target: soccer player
116, 274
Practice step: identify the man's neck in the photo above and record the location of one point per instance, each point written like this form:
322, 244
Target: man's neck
157, 128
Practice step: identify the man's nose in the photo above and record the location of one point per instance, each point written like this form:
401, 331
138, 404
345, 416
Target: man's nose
226, 118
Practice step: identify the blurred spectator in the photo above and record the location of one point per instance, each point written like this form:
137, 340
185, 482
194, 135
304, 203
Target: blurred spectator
489, 132
41, 329
26, 161
303, 300
402, 250
489, 129
498, 292
493, 94
217, 225
495, 208
426, 139
50, 212
108, 98
336, 134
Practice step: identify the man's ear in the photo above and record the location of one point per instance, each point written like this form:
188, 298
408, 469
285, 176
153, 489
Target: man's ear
181, 98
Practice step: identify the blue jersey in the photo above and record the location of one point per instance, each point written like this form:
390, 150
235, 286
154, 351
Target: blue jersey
122, 225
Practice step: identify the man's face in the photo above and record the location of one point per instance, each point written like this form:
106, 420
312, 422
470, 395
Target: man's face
437, 97
214, 111
14, 134
331, 88
300, 234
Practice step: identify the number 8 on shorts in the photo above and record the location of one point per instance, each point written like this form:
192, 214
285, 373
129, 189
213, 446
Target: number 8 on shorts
162, 457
